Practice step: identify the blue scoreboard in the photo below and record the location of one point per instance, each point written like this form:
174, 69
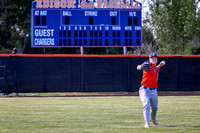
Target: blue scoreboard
99, 23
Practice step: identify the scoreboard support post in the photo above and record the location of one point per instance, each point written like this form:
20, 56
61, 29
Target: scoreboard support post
81, 50
125, 50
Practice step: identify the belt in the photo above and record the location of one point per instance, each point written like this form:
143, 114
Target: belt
148, 88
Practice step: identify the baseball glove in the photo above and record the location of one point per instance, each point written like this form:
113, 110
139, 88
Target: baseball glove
146, 66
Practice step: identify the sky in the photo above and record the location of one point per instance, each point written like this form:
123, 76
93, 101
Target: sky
145, 7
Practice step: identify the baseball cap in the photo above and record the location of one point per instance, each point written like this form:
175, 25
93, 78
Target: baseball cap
152, 55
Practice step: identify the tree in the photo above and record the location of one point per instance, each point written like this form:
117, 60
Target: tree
175, 24
15, 24
148, 40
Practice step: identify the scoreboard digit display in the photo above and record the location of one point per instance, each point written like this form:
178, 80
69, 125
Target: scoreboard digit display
73, 23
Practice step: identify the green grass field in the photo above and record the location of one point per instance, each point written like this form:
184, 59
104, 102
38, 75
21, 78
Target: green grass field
96, 114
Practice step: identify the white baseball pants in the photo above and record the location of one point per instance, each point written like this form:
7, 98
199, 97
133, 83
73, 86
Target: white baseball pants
149, 100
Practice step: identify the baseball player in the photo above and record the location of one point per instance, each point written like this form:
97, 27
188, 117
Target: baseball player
148, 89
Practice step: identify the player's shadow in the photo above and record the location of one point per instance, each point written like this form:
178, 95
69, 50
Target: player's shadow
179, 126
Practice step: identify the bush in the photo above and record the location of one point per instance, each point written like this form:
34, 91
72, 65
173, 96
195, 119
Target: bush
192, 50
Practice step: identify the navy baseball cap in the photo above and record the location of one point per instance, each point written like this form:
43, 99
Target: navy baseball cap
152, 55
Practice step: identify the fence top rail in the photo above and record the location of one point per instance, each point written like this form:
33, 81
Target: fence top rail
100, 56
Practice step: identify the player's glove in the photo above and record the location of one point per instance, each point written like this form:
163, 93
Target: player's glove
146, 66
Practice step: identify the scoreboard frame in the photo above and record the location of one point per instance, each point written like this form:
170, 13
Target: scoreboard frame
111, 41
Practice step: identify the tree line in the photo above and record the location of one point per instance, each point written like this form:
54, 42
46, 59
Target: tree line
169, 27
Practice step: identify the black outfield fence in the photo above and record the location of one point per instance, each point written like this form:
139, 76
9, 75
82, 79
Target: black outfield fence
93, 73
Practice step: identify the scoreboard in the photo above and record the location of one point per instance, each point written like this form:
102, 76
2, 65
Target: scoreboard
67, 23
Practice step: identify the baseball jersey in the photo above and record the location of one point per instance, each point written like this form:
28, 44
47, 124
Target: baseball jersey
150, 78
